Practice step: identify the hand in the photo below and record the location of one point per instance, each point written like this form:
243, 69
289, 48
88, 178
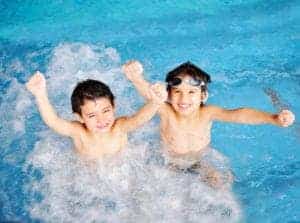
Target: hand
285, 118
158, 93
36, 84
133, 70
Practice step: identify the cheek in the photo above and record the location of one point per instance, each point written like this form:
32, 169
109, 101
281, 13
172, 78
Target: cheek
173, 100
196, 99
173, 97
91, 122
110, 116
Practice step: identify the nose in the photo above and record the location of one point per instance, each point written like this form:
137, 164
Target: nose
99, 118
183, 97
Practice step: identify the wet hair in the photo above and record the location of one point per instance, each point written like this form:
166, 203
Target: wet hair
89, 90
189, 69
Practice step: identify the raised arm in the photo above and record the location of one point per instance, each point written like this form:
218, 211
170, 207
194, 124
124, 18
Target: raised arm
251, 116
37, 86
134, 72
158, 95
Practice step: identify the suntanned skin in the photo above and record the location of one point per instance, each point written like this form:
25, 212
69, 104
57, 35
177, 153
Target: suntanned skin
98, 132
185, 126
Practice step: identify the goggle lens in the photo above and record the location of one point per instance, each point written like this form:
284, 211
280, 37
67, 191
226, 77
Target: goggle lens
191, 81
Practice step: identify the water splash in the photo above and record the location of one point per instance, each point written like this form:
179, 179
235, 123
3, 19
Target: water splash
132, 187
124, 188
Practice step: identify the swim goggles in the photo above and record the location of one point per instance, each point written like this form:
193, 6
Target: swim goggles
190, 81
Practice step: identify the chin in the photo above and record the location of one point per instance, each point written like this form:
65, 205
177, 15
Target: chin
105, 129
101, 130
184, 112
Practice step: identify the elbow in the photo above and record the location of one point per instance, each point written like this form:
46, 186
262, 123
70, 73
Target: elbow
51, 121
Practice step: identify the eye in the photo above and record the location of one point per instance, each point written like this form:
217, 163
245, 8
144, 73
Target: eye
176, 92
91, 116
192, 92
106, 110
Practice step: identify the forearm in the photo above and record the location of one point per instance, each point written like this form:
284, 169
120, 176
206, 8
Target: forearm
142, 116
147, 111
252, 116
45, 108
49, 115
243, 115
142, 87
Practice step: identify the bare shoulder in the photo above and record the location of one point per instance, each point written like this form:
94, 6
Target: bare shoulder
77, 124
165, 109
77, 128
211, 110
119, 123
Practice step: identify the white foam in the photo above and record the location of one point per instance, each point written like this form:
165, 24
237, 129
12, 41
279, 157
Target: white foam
15, 107
123, 188
16, 66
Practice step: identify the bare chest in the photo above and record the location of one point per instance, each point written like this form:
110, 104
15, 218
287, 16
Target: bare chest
99, 147
185, 137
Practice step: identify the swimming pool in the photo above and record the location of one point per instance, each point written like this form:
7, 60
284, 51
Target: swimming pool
250, 48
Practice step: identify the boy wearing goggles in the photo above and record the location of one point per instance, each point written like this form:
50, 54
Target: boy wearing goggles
186, 121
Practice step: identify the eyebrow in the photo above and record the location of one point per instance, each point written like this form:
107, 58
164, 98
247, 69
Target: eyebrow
107, 107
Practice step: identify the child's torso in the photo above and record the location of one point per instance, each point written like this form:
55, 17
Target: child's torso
97, 147
185, 137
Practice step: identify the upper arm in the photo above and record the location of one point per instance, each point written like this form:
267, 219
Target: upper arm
49, 116
221, 114
225, 115
165, 109
127, 123
134, 121
65, 127
241, 115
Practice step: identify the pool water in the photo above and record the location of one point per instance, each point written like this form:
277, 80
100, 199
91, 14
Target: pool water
250, 48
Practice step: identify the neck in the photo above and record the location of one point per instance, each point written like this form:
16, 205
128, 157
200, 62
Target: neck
99, 134
188, 118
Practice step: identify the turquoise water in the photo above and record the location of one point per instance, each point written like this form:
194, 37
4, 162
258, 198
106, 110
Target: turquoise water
250, 48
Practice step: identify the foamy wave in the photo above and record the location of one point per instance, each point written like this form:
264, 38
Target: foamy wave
125, 188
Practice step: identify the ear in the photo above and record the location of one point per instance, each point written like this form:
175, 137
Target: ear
169, 96
113, 107
204, 96
79, 117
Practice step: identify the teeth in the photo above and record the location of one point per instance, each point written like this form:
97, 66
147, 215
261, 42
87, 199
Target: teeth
102, 126
183, 106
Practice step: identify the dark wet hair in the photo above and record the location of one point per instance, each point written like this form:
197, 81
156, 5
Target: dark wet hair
89, 90
189, 69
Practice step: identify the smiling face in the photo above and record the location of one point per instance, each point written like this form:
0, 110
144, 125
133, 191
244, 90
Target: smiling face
98, 115
185, 98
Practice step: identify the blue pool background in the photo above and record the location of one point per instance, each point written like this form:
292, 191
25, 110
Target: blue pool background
246, 46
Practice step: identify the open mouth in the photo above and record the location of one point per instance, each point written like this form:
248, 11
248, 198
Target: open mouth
183, 106
102, 126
